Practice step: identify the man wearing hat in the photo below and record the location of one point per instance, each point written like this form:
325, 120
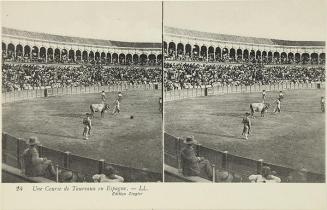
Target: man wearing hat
109, 175
246, 125
32, 164
193, 165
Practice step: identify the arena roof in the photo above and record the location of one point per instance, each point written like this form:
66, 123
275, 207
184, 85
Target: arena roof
235, 38
69, 39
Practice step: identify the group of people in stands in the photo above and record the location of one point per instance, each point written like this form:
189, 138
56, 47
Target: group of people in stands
193, 165
178, 55
35, 166
28, 76
198, 74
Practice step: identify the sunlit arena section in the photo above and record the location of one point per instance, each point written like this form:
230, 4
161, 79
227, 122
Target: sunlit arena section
82, 109
241, 108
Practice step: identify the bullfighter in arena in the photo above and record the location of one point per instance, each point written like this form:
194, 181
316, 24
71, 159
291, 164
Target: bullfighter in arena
277, 109
117, 107
103, 96
263, 95
322, 104
247, 125
281, 96
120, 96
87, 126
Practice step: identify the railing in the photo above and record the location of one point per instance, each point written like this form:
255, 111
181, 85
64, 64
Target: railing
58, 91
233, 163
225, 89
13, 148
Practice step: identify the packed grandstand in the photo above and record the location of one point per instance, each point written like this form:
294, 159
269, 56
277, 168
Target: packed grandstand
194, 58
34, 60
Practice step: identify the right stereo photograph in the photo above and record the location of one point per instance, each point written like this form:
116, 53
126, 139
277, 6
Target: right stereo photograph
244, 91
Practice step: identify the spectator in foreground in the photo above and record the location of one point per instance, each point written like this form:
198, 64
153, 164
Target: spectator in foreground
226, 176
193, 165
109, 175
33, 165
67, 177
266, 177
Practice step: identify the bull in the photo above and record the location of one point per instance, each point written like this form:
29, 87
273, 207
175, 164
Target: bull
259, 107
99, 108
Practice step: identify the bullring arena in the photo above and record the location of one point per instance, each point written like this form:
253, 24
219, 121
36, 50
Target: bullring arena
50, 81
211, 81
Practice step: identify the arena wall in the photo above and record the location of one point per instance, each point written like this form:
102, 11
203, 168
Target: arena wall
85, 168
191, 92
222, 160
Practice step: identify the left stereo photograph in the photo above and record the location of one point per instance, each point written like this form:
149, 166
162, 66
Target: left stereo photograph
81, 92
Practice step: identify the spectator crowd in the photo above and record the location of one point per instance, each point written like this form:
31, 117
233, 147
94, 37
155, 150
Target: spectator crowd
27, 76
181, 74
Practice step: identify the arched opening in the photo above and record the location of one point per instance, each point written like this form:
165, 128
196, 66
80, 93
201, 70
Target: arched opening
264, 57
314, 58
103, 57
246, 55
78, 55
91, 56
196, 51
143, 59
35, 53
71, 55
239, 55
27, 52
108, 58
290, 58
225, 54
97, 57
276, 57
57, 55
64, 55
152, 59
165, 47
135, 59
232, 55
283, 58
85, 56
203, 53
322, 58
252, 56
180, 50
50, 54
129, 59
211, 53
122, 59
43, 54
159, 59
218, 54
305, 58
172, 49
11, 51
19, 51
258, 56
4, 49
188, 50
114, 58
270, 57
297, 58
